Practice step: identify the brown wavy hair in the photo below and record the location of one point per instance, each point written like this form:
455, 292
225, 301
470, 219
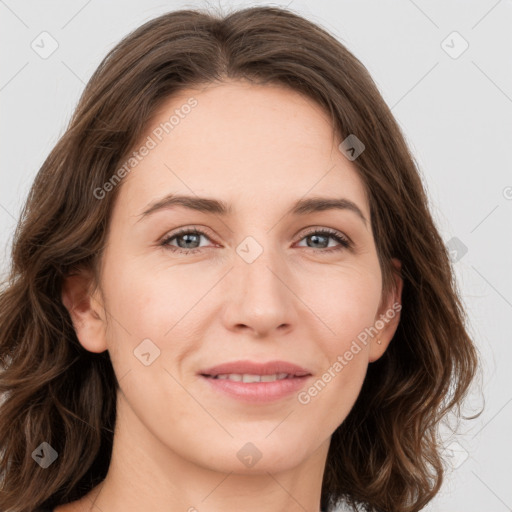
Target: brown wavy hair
387, 454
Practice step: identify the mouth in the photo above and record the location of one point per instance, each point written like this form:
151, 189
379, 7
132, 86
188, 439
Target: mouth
256, 382
253, 369
248, 377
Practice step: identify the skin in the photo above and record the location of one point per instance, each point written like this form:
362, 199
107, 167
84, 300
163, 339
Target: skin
258, 148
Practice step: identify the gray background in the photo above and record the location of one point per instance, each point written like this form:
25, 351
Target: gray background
455, 110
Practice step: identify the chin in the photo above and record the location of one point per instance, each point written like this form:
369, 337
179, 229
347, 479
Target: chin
253, 456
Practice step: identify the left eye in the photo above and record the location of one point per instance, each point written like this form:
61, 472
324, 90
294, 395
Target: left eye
193, 236
326, 234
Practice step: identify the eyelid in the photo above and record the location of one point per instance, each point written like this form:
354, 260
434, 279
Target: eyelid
331, 231
188, 229
201, 231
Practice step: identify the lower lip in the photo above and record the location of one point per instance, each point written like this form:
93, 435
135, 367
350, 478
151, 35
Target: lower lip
257, 392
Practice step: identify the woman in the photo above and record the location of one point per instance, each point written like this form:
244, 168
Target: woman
227, 290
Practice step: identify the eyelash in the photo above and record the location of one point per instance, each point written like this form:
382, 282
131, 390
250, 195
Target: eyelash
331, 233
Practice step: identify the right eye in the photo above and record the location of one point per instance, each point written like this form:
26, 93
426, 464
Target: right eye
189, 235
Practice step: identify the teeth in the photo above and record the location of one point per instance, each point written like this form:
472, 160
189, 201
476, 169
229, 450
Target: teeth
250, 378
246, 377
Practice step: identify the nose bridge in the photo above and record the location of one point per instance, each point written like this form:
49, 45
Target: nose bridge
259, 264
260, 298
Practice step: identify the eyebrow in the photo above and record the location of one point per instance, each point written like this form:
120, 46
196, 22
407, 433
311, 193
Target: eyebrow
217, 207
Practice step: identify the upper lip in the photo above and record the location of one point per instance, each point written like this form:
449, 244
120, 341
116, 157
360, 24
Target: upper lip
255, 368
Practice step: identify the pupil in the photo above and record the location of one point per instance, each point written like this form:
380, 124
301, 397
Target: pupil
316, 237
186, 238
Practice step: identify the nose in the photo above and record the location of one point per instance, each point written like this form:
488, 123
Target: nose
259, 296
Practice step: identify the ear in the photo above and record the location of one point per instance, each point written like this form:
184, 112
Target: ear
85, 309
388, 316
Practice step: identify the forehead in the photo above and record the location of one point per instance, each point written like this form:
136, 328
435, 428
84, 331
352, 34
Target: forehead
241, 143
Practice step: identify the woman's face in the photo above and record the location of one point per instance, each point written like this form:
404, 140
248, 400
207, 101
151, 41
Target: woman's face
259, 284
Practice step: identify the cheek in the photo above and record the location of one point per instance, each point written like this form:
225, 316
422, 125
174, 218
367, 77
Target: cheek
143, 304
333, 394
348, 309
346, 305
149, 298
